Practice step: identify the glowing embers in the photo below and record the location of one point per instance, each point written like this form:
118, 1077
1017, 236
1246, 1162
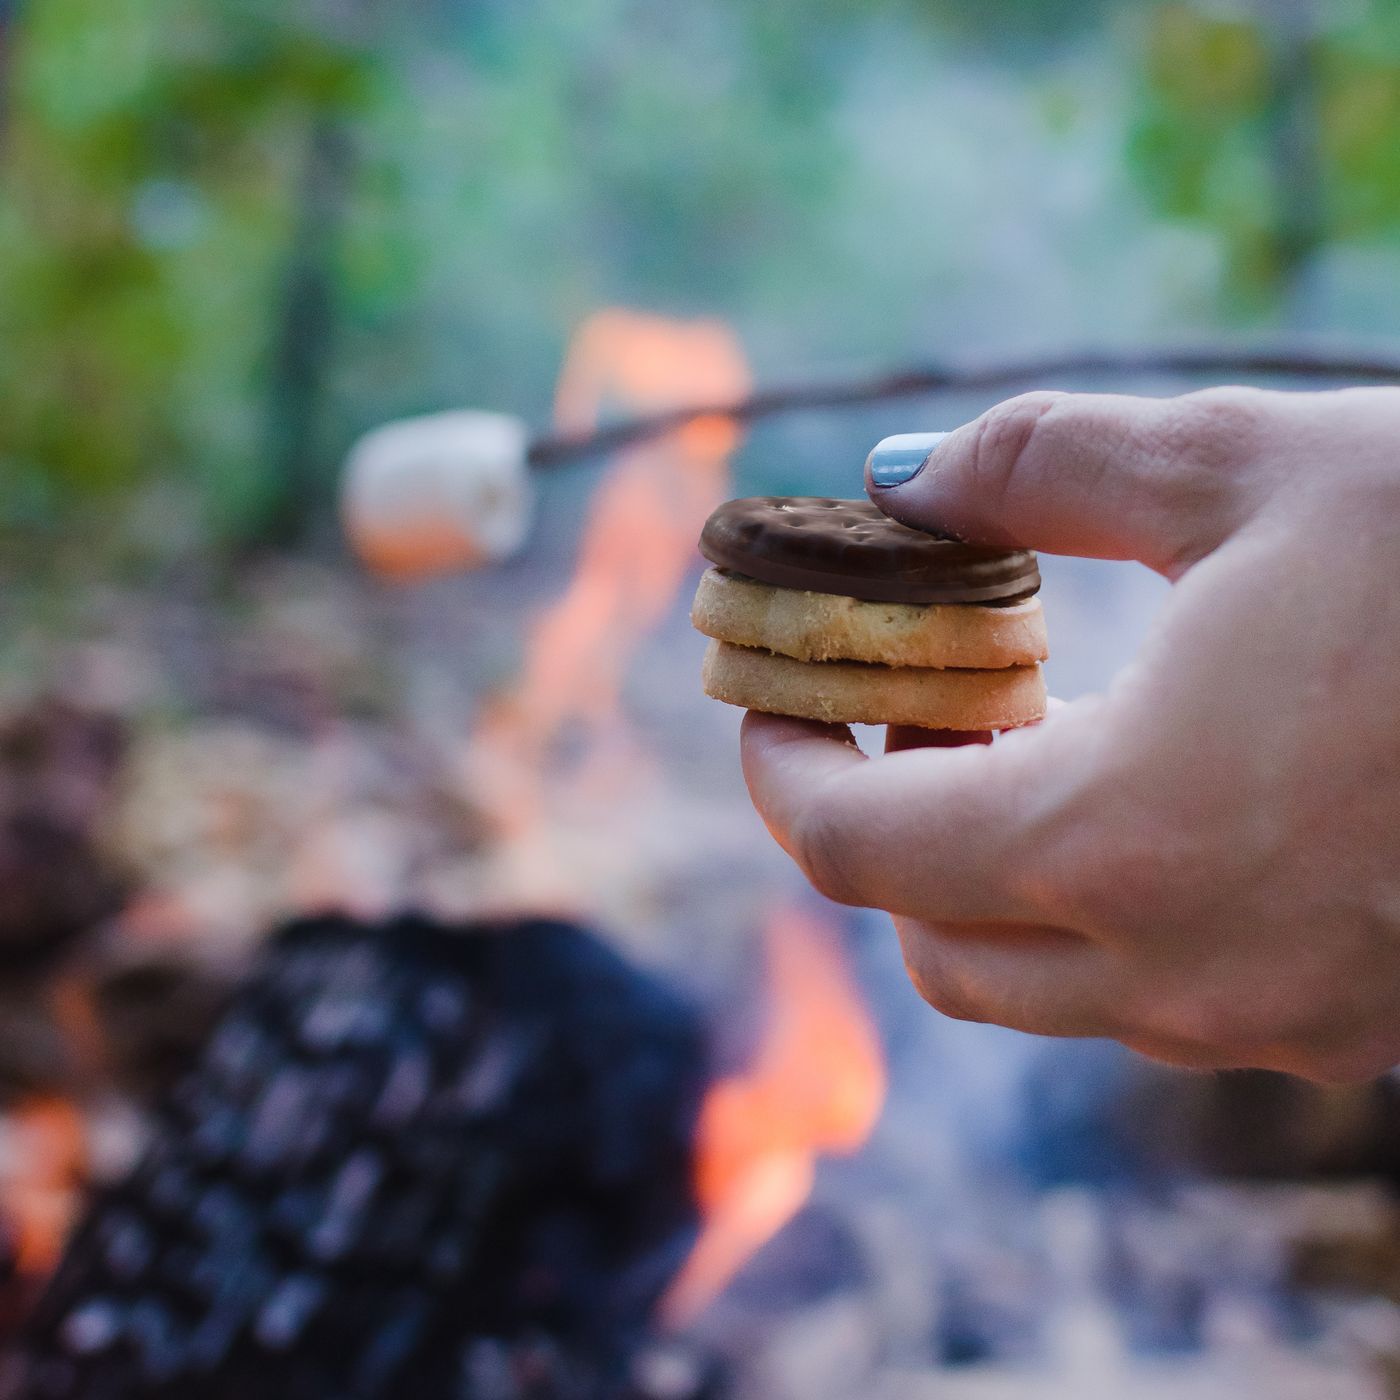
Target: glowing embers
43, 1158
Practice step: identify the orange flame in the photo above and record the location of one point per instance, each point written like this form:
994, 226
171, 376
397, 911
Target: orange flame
816, 1086
39, 1191
638, 546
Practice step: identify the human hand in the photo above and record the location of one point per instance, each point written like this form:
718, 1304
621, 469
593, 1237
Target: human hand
1203, 863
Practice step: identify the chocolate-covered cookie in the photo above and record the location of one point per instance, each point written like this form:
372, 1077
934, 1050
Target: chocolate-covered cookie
824, 545
831, 611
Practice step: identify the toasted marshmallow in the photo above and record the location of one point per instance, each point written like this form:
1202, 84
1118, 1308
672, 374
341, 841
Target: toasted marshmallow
438, 494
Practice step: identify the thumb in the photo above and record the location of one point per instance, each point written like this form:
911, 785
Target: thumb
1162, 481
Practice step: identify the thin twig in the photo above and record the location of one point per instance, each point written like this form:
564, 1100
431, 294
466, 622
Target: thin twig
1365, 366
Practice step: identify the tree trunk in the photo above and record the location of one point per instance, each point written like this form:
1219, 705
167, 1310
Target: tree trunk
9, 10
305, 331
1300, 224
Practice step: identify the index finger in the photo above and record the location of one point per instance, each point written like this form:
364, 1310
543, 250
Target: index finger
1163, 481
932, 833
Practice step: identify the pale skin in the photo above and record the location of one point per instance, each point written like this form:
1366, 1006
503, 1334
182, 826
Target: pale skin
1204, 862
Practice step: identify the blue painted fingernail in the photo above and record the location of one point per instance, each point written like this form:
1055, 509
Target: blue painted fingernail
901, 458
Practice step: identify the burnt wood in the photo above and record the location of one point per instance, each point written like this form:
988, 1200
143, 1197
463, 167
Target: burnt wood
411, 1161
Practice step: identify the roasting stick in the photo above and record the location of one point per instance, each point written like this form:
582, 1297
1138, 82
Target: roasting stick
449, 492
1377, 365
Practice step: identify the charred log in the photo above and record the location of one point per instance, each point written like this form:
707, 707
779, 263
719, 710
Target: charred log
410, 1161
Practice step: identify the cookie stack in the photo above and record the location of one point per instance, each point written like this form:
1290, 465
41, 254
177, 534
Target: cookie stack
828, 610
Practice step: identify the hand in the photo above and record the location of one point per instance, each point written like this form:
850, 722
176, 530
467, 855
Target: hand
1204, 863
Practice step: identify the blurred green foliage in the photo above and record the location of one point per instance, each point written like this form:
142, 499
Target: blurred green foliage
150, 175
1358, 76
1202, 142
1280, 137
233, 233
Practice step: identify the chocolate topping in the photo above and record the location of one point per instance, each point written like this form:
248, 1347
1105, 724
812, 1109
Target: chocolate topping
849, 548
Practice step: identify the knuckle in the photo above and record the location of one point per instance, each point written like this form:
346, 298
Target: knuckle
1239, 1024
1203, 1017
1103, 853
1121, 882
936, 977
1196, 457
948, 999
1099, 878
1061, 885
955, 1008
822, 851
1248, 1014
1003, 438
1219, 428
1193, 459
1121, 860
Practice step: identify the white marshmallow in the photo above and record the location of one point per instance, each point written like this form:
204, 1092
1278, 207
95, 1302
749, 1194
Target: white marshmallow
439, 493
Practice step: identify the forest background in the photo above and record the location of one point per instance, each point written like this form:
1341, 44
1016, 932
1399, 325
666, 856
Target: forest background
236, 233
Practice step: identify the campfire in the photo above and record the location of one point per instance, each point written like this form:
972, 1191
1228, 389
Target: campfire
548, 752
815, 1085
621, 1110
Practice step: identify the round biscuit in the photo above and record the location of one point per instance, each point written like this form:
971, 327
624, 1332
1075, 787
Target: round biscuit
826, 627
852, 692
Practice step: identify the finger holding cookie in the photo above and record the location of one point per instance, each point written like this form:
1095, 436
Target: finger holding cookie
1203, 862
946, 834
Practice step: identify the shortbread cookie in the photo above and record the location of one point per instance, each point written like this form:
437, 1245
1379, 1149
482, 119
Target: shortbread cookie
827, 627
852, 692
829, 610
